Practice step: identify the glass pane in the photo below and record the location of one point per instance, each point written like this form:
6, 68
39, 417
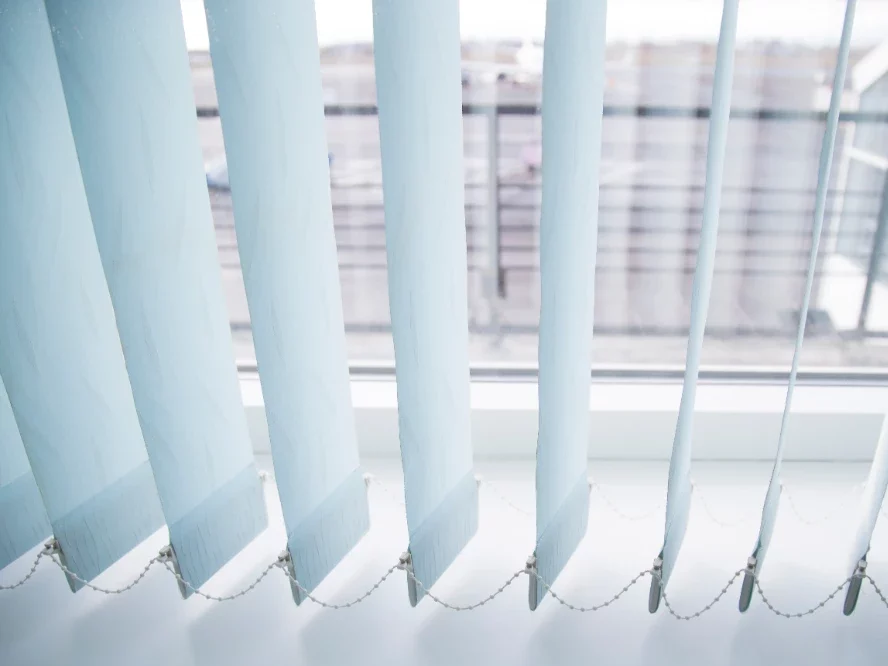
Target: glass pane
660, 59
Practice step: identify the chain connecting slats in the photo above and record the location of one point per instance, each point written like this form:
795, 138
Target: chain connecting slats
230, 597
597, 607
811, 610
707, 607
501, 496
632, 517
349, 604
469, 607
837, 509
878, 591
104, 590
700, 497
43, 553
50, 551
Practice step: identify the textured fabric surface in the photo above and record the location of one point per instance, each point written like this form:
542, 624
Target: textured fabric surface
573, 93
125, 73
319, 542
273, 122
23, 520
60, 354
772, 497
417, 58
679, 490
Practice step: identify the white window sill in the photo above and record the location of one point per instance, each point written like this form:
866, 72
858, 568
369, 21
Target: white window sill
635, 420
45, 624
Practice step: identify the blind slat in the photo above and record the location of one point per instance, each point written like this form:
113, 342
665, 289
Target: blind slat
877, 481
418, 82
573, 95
772, 497
124, 69
23, 520
273, 123
871, 502
60, 355
679, 488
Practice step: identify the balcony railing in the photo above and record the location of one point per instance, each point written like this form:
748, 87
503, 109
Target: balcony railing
648, 225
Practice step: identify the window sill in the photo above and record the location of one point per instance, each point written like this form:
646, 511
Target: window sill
635, 420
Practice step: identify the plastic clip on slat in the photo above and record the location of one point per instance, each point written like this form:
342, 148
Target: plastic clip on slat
678, 498
419, 92
60, 355
573, 92
124, 69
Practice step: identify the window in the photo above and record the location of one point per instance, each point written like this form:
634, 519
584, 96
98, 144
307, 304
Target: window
658, 88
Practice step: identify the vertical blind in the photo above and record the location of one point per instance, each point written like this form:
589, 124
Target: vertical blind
573, 98
60, 355
678, 494
772, 497
419, 93
273, 125
119, 401
124, 69
23, 520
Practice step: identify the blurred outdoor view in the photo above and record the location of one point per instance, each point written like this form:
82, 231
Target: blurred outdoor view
660, 60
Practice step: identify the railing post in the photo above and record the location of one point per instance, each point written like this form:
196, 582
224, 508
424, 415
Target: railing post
496, 283
875, 262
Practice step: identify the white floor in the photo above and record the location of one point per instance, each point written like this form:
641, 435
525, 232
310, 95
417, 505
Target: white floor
43, 623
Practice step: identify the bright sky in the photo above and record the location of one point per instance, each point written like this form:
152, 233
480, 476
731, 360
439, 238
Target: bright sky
813, 22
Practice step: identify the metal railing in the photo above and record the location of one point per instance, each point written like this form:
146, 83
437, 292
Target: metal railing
498, 256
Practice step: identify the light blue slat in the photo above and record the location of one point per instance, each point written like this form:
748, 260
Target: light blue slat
322, 539
266, 64
418, 83
563, 533
125, 72
213, 532
573, 94
678, 497
60, 354
772, 498
871, 502
443, 534
877, 481
98, 532
23, 520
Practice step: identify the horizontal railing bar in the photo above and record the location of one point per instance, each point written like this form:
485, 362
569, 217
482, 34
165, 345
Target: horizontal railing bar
684, 210
533, 227
604, 270
637, 111
472, 248
646, 373
606, 187
646, 187
649, 231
